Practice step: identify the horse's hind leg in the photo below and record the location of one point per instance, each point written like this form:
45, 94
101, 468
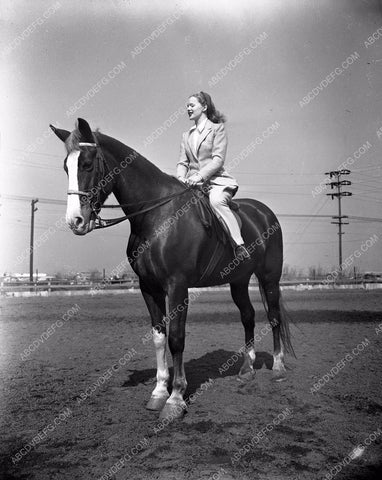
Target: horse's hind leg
272, 296
240, 296
156, 304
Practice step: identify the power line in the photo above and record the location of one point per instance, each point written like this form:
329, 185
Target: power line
322, 243
365, 219
277, 193
374, 177
360, 198
37, 153
54, 201
368, 199
24, 198
33, 165
366, 168
302, 215
278, 184
62, 202
302, 230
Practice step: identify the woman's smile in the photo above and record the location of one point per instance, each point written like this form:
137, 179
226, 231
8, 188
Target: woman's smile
195, 109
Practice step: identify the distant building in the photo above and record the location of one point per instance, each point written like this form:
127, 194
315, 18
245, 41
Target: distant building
373, 276
24, 277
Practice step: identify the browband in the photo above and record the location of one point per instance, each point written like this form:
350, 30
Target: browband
77, 192
85, 144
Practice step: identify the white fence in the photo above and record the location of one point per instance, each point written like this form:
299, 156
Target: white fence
101, 288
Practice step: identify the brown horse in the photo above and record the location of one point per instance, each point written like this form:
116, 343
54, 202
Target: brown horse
170, 249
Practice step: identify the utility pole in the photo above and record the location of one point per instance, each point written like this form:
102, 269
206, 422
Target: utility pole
338, 184
33, 209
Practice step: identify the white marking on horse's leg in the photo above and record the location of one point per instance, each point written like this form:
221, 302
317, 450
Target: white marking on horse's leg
278, 361
252, 355
179, 389
246, 370
162, 369
73, 208
176, 407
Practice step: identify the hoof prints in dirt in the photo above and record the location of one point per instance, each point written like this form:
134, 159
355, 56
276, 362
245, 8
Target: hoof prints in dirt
361, 403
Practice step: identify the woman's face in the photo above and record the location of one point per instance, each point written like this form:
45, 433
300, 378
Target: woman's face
195, 109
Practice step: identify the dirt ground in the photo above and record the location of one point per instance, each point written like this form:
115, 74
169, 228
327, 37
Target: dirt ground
60, 421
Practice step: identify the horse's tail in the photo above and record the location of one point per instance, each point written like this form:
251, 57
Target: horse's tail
285, 319
284, 322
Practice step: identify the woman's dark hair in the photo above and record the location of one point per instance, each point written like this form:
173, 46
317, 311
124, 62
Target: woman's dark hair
212, 114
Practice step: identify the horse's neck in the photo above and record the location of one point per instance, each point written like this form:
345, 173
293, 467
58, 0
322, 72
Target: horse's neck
139, 180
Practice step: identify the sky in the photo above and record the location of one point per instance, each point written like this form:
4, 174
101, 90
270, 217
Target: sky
258, 59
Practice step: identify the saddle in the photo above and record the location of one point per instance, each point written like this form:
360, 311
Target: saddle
211, 221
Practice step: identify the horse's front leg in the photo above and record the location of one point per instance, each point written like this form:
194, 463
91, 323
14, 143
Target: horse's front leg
156, 304
178, 302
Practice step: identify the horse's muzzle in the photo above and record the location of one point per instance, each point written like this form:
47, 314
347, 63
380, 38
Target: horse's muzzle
82, 228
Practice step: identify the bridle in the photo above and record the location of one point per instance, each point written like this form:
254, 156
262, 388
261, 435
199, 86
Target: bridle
96, 206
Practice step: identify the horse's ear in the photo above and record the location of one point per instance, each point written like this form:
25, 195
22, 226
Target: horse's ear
86, 132
61, 134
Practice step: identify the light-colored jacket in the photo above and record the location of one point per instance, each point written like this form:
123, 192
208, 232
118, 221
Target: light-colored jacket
210, 155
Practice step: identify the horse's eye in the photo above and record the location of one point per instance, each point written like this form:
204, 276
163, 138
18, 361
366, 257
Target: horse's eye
86, 164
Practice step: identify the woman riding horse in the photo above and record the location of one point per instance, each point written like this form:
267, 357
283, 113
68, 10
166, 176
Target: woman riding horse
169, 247
202, 155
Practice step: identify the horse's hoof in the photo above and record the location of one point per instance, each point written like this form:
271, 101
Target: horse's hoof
173, 411
279, 375
246, 375
156, 403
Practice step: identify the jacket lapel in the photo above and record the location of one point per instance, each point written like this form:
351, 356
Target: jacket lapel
206, 131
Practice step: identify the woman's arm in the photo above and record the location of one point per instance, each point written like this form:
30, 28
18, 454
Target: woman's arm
183, 163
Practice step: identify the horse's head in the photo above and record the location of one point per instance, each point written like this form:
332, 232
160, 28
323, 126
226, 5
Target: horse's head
85, 166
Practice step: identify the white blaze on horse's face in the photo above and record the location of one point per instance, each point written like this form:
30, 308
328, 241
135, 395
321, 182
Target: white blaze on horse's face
74, 217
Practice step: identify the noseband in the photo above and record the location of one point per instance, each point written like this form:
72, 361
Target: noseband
96, 205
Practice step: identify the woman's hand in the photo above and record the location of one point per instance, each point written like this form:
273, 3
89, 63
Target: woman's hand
194, 179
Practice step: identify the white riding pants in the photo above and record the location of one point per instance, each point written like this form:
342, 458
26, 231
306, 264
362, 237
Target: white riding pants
220, 196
